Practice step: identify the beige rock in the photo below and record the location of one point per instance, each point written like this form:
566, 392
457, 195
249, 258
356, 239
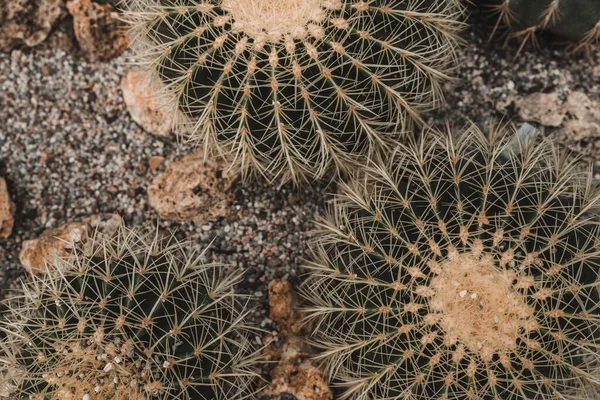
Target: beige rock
192, 189
27, 22
155, 162
144, 108
294, 374
577, 118
99, 33
543, 108
583, 119
60, 242
7, 211
282, 306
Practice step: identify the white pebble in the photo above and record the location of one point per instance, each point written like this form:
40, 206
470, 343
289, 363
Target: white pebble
462, 293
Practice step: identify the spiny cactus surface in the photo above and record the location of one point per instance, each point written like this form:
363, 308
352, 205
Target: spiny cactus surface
129, 318
464, 268
296, 89
574, 20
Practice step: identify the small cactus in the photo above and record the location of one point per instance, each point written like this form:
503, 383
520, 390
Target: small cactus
574, 20
129, 317
296, 89
464, 268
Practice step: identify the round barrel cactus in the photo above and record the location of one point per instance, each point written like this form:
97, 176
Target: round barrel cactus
296, 89
574, 20
129, 317
465, 268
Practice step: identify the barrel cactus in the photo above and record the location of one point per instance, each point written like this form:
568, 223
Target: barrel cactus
296, 89
130, 317
464, 268
575, 20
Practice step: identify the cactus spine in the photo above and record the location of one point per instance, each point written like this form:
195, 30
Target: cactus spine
464, 268
297, 89
129, 317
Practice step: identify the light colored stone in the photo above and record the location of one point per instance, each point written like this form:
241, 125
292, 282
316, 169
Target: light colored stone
192, 189
155, 162
294, 374
583, 117
145, 109
7, 211
99, 33
282, 307
543, 108
60, 242
578, 117
27, 22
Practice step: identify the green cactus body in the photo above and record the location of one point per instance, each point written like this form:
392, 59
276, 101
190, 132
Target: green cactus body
296, 89
465, 268
574, 20
130, 318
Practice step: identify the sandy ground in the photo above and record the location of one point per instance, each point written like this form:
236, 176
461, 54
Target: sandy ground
69, 149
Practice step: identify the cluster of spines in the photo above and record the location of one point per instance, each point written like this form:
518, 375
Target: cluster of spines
574, 20
131, 316
296, 108
516, 219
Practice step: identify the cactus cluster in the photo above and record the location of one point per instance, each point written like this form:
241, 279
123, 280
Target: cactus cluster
464, 268
296, 89
129, 317
574, 20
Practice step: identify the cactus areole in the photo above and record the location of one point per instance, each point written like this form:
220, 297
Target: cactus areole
293, 89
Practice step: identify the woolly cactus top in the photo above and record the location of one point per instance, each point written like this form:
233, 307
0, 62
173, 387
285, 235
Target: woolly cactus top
296, 89
279, 21
465, 268
129, 317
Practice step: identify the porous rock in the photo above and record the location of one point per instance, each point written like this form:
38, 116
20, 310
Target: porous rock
577, 117
145, 109
294, 374
543, 108
27, 22
282, 306
99, 33
192, 189
583, 116
7, 210
60, 241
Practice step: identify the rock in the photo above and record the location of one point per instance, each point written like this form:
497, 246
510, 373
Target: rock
282, 306
543, 108
59, 242
7, 210
155, 162
578, 117
27, 22
144, 108
583, 117
99, 33
294, 374
192, 189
